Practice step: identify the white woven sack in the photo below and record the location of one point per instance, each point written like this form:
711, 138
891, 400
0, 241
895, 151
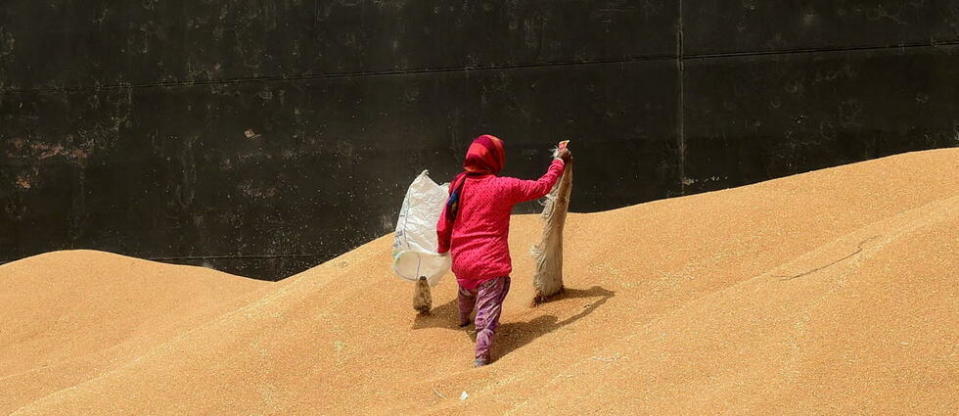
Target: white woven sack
414, 247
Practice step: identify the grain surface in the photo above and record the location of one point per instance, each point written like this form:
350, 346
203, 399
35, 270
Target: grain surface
831, 292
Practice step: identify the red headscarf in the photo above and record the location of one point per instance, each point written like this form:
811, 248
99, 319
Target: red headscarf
485, 156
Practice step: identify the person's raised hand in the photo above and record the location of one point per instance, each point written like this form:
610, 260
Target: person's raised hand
564, 154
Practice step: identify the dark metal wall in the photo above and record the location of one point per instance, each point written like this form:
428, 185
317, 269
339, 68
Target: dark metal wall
263, 137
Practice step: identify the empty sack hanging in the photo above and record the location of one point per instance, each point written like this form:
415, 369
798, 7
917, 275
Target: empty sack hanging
548, 253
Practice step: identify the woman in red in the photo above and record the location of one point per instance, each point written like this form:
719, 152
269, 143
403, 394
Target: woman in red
474, 228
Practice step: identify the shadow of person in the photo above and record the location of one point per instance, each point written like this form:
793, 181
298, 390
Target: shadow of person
514, 335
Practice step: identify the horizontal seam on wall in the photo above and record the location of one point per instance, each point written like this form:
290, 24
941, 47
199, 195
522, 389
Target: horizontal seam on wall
365, 74
335, 75
800, 51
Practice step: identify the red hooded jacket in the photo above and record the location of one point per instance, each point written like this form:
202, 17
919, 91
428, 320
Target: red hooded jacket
477, 235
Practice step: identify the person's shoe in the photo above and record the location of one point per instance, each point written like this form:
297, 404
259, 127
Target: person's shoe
465, 324
479, 362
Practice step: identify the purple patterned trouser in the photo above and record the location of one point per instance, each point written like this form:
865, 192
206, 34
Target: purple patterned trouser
488, 300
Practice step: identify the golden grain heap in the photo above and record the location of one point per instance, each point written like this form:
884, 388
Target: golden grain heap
831, 292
